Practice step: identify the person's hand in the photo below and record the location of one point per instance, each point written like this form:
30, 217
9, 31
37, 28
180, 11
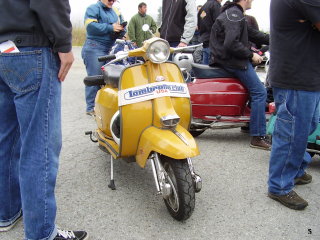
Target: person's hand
256, 59
66, 62
182, 44
117, 27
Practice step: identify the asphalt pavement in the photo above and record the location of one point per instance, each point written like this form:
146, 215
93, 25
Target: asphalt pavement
233, 203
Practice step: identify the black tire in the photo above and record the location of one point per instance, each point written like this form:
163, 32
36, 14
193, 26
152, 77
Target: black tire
196, 133
181, 202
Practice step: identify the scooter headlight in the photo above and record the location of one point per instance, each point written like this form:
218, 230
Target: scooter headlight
158, 51
170, 121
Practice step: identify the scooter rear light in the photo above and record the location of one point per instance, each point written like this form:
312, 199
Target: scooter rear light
170, 121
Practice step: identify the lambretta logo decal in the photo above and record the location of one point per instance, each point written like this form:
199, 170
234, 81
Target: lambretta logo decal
151, 91
159, 89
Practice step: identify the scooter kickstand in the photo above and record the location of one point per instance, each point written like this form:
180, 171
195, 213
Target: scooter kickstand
111, 184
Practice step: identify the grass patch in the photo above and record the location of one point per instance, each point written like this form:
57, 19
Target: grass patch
78, 35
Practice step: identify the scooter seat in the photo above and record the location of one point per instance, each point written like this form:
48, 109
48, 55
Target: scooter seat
112, 74
206, 72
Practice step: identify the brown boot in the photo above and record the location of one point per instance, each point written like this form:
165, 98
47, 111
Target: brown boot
291, 200
304, 179
260, 142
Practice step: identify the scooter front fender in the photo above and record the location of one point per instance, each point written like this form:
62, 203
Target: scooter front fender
177, 144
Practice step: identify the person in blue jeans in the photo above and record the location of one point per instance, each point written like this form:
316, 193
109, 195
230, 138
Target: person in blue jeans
229, 44
103, 25
35, 58
294, 75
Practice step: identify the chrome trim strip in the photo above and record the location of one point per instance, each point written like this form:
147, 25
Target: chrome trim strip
179, 135
111, 148
243, 118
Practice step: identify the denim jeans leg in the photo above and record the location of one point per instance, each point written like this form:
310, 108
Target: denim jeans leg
258, 95
297, 116
10, 201
205, 56
32, 78
306, 160
90, 53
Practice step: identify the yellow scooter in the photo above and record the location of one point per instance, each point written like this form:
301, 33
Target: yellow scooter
143, 113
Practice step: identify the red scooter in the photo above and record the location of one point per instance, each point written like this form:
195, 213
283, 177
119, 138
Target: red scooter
219, 100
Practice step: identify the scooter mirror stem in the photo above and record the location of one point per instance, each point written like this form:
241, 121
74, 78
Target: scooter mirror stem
146, 28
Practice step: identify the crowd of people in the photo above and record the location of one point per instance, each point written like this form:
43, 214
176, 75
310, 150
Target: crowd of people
38, 42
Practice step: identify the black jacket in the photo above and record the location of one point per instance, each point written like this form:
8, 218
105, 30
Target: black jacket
34, 23
206, 17
229, 42
179, 20
257, 37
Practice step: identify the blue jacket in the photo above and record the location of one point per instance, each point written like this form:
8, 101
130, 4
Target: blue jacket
98, 20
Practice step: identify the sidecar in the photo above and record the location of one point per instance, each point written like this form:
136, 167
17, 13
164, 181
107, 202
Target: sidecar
217, 93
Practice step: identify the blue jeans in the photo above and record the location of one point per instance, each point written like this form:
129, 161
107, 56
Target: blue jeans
297, 117
30, 139
90, 52
258, 95
206, 55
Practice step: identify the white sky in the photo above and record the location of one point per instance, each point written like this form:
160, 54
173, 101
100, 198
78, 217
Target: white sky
260, 9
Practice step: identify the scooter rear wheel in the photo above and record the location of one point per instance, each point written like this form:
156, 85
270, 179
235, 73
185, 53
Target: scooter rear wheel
181, 201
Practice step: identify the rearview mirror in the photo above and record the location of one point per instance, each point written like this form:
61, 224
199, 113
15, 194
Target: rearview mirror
145, 27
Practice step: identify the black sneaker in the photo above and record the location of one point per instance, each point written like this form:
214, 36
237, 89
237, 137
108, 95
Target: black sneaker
304, 179
291, 200
7, 228
245, 129
71, 235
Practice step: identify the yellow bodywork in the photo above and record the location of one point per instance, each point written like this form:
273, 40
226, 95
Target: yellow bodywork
166, 142
105, 107
141, 128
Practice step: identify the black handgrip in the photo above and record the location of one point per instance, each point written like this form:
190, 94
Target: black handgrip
96, 80
106, 58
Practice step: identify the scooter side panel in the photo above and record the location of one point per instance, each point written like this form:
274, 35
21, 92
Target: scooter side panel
105, 107
219, 96
134, 117
166, 142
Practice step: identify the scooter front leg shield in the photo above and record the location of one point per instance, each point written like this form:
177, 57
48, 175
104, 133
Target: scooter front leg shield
176, 144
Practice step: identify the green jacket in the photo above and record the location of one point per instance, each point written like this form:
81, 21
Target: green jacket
135, 32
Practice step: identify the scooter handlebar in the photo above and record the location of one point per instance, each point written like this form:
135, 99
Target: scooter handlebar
107, 57
190, 50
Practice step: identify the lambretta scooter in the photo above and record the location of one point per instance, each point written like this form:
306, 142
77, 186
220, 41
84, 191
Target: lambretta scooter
143, 112
219, 100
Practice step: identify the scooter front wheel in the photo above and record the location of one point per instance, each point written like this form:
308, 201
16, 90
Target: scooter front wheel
181, 201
